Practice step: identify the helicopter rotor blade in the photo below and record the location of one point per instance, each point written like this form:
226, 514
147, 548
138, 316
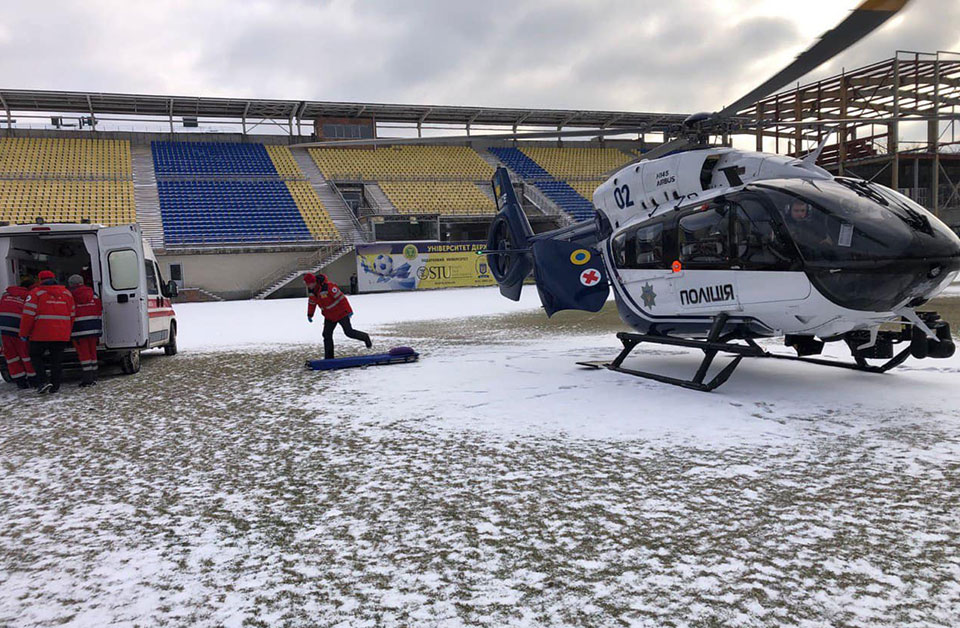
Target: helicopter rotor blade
677, 143
866, 18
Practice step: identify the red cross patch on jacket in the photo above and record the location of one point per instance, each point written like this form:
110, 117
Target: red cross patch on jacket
332, 301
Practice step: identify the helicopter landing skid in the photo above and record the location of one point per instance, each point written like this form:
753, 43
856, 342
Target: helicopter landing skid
715, 343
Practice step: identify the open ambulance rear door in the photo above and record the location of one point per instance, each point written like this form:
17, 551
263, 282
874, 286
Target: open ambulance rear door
123, 287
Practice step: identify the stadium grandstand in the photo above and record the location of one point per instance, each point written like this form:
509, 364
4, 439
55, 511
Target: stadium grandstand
244, 205
233, 193
233, 207
421, 180
66, 180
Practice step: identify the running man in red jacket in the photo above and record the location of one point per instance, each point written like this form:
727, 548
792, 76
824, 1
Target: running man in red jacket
335, 308
16, 351
47, 321
87, 328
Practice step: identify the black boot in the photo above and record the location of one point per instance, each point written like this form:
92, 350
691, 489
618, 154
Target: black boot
22, 383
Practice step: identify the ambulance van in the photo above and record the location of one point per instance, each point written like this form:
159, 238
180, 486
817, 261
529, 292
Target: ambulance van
120, 267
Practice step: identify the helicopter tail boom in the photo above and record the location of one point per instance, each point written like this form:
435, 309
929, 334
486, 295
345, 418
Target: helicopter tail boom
569, 272
508, 240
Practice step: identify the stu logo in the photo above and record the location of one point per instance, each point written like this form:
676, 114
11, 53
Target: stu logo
708, 294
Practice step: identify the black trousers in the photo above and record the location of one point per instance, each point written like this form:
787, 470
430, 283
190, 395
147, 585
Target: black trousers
329, 326
38, 353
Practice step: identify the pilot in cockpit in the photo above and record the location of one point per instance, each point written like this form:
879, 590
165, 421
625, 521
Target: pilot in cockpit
805, 224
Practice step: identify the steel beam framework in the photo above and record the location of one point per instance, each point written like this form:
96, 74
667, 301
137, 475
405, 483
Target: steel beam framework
289, 114
910, 84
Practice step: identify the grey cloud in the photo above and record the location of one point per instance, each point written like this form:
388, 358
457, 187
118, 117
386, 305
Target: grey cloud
684, 55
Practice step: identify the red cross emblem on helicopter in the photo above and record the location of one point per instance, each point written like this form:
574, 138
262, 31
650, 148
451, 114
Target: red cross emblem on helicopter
589, 277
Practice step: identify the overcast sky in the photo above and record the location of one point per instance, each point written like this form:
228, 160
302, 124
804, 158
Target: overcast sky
641, 55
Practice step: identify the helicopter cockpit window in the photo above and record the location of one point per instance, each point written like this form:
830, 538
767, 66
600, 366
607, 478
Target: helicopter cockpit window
705, 237
620, 250
830, 222
639, 247
648, 246
758, 241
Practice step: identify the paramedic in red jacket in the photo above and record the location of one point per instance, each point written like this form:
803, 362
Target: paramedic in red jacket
87, 328
15, 350
47, 322
335, 308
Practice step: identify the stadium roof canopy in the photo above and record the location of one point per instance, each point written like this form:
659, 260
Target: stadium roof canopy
99, 105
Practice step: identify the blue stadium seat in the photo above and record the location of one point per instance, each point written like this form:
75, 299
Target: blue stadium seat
212, 212
559, 192
211, 158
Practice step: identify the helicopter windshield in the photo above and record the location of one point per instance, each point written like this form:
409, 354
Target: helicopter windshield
865, 246
832, 221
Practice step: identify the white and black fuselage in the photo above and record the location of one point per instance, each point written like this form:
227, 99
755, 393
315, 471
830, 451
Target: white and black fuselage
778, 244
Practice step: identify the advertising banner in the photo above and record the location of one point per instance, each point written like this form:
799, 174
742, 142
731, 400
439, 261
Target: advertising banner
421, 266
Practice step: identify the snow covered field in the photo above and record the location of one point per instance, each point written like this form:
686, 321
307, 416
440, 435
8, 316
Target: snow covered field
493, 483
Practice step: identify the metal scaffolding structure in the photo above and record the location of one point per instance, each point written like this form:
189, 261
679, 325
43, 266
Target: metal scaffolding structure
910, 84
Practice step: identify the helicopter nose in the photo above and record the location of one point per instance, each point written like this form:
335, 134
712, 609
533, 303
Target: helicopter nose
936, 267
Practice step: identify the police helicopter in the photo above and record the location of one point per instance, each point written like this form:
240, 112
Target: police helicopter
713, 248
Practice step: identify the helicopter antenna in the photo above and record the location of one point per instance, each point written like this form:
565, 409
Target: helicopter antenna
810, 159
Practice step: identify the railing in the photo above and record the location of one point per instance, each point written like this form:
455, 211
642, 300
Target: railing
47, 176
372, 198
364, 234
309, 261
360, 177
543, 203
251, 242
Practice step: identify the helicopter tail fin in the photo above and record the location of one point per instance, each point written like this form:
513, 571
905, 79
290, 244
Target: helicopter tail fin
508, 241
568, 270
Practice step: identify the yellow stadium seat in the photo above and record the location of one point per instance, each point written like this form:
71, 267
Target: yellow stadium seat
104, 202
571, 164
585, 188
402, 163
66, 180
284, 162
416, 179
61, 157
438, 197
314, 214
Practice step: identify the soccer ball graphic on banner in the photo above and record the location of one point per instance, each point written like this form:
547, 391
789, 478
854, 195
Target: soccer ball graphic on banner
383, 265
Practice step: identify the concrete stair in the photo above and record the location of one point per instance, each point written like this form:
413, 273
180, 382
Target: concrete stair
533, 196
344, 220
379, 199
487, 190
309, 264
145, 195
546, 206
491, 159
196, 295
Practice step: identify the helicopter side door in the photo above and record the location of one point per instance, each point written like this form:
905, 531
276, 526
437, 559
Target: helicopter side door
641, 257
706, 274
770, 265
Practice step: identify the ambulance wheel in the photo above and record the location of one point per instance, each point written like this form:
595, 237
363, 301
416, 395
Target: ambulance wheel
130, 362
171, 347
6, 376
